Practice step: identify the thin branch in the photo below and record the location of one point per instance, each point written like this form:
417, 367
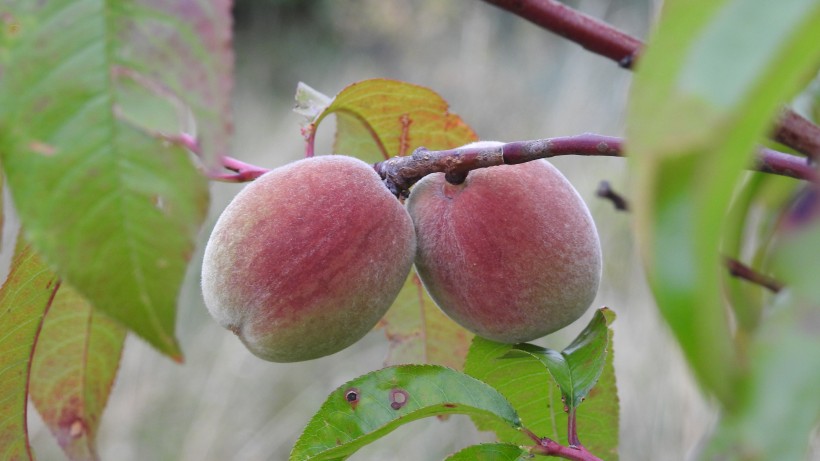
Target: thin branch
400, 173
779, 163
601, 38
605, 191
591, 33
548, 447
742, 271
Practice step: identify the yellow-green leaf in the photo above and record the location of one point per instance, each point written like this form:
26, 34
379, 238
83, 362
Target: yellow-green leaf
24, 300
75, 363
380, 118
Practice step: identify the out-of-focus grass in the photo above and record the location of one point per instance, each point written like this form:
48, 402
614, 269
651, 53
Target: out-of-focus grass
507, 78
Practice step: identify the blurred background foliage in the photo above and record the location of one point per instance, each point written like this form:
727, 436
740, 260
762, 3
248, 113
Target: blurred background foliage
509, 80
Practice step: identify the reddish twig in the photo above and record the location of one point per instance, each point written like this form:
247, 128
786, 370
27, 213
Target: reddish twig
601, 38
742, 271
400, 173
592, 34
548, 447
779, 163
605, 191
798, 133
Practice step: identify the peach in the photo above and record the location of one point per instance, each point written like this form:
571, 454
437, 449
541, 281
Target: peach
511, 254
306, 259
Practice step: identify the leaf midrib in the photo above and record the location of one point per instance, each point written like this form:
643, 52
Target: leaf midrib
118, 161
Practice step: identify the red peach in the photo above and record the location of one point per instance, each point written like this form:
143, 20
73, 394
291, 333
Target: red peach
306, 259
511, 254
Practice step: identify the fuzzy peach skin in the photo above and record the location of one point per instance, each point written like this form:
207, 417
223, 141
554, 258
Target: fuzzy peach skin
307, 258
512, 254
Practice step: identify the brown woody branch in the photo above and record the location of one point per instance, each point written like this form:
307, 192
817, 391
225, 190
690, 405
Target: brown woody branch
591, 33
601, 38
742, 271
798, 133
400, 173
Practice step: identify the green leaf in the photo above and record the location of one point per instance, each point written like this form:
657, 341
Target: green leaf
705, 91
577, 368
75, 363
524, 382
491, 452
528, 385
24, 299
375, 404
377, 119
102, 196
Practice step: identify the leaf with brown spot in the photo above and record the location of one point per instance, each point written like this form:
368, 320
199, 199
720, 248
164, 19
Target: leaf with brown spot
75, 363
390, 398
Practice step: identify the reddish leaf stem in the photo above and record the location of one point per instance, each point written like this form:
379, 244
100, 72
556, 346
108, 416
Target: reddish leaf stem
242, 172
572, 429
400, 173
601, 38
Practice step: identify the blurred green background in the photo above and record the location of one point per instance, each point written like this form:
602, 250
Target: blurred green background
509, 80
